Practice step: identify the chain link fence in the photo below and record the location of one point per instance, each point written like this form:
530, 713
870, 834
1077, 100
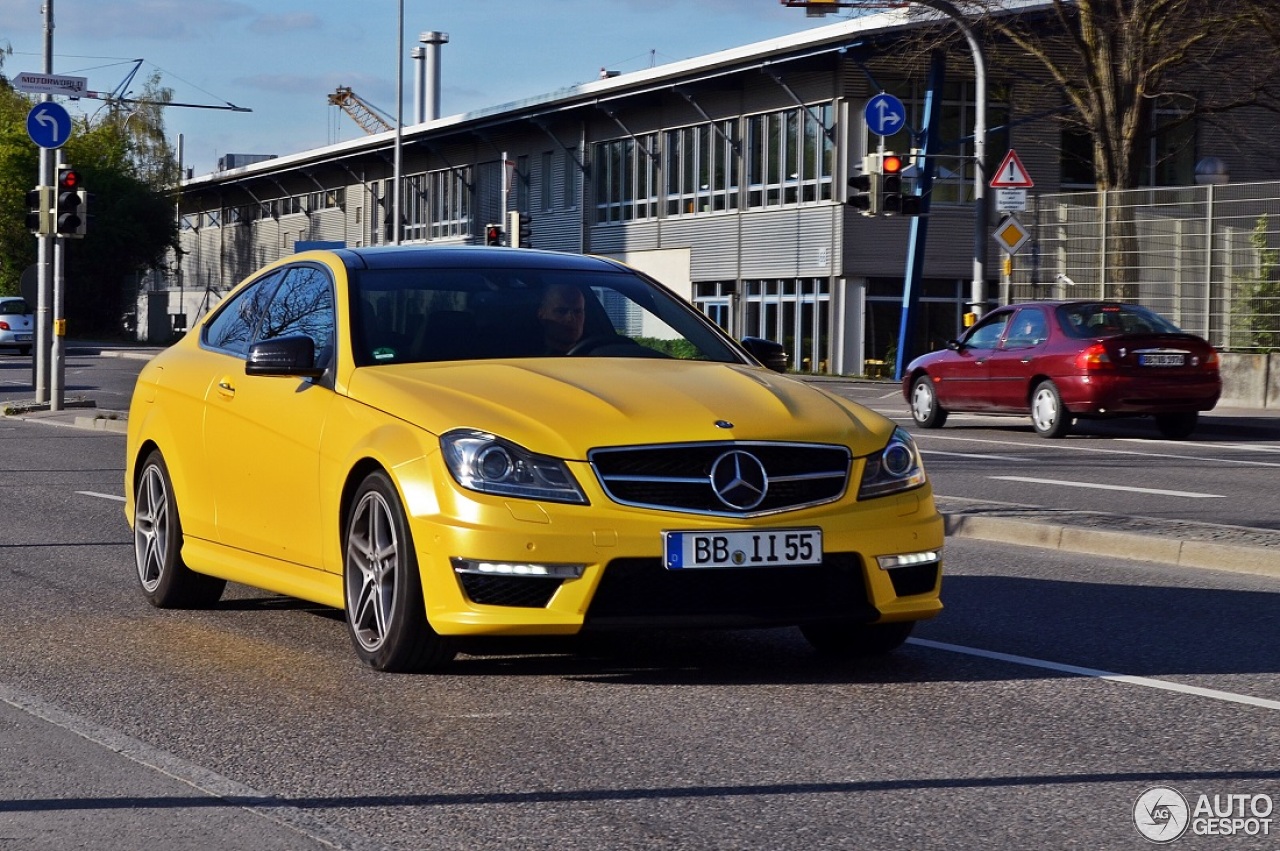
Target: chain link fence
1206, 257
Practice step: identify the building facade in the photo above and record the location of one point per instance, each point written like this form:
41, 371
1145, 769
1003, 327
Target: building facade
725, 177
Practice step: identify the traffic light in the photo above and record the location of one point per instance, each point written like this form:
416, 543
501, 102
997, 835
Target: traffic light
69, 215
864, 188
493, 234
520, 226
891, 184
40, 210
896, 201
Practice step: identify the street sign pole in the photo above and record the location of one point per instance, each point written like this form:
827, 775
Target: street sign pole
44, 245
57, 341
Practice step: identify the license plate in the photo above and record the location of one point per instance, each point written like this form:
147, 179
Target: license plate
756, 548
1154, 359
23, 338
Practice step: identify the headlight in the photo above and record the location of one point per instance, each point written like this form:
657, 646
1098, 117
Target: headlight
484, 462
894, 469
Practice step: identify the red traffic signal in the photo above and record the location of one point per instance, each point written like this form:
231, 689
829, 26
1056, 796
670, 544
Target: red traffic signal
493, 235
891, 164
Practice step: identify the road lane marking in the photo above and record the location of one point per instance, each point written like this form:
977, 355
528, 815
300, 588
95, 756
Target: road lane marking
101, 495
1069, 484
1075, 447
1145, 682
974, 455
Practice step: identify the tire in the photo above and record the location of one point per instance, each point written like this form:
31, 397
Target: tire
166, 580
385, 613
1177, 426
1050, 418
925, 409
856, 640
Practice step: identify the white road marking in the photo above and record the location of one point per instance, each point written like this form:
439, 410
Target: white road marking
1069, 484
1076, 447
1145, 682
101, 495
974, 455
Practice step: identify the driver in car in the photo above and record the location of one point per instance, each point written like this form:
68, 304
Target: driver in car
561, 315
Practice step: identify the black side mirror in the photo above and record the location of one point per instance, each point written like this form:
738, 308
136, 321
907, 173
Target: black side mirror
954, 345
769, 353
295, 355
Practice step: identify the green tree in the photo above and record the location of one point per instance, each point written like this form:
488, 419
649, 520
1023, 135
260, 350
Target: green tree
132, 221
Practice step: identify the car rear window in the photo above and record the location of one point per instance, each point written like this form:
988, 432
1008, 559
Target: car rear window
1107, 319
14, 307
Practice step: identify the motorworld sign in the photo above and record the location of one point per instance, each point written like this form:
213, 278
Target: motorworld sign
51, 84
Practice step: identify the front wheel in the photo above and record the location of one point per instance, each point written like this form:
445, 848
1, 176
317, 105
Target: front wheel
853, 640
925, 409
1049, 416
1177, 426
166, 580
386, 616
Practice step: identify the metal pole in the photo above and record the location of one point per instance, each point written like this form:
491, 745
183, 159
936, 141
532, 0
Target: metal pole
395, 187
57, 342
44, 245
978, 291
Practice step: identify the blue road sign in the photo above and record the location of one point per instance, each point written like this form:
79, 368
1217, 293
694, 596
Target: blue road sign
49, 125
885, 115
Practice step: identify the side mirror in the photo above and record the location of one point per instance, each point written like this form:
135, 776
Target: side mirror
954, 345
295, 355
769, 353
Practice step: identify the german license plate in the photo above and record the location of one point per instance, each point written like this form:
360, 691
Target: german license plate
755, 548
23, 338
1161, 359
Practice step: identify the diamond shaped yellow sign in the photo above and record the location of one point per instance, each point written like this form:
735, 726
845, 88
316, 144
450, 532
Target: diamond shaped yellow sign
1011, 235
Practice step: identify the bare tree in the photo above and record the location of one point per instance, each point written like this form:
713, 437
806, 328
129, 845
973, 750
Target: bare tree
1115, 61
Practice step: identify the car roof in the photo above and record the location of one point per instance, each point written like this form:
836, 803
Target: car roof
470, 257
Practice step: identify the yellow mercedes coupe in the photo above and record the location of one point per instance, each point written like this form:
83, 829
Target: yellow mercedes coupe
469, 441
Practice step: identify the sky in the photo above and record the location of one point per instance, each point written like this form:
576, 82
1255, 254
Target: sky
281, 59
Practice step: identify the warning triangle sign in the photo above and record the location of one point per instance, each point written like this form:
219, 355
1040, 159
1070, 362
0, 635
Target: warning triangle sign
1011, 174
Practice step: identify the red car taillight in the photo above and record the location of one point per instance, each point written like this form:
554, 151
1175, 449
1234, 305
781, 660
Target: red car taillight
1094, 358
1211, 362
4, 326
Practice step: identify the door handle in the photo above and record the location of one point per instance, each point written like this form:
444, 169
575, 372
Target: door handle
226, 388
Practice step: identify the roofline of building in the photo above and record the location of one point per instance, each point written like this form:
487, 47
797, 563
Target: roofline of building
832, 37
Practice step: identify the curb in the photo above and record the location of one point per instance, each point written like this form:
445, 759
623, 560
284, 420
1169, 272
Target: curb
1139, 546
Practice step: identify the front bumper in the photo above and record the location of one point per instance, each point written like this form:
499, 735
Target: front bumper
617, 552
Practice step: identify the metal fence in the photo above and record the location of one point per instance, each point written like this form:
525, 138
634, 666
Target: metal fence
1207, 257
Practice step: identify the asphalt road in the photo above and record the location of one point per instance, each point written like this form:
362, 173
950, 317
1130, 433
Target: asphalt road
1054, 690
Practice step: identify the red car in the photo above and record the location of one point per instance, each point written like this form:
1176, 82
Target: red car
1063, 360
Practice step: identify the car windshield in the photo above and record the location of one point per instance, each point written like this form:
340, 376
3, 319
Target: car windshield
14, 307
1107, 319
424, 315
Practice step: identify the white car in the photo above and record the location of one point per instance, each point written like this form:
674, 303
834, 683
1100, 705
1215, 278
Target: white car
17, 325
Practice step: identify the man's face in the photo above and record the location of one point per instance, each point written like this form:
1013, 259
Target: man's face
561, 315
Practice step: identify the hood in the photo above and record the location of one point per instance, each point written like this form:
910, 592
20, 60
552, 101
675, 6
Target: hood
567, 406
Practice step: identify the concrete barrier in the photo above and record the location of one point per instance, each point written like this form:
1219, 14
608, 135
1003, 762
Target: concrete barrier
1250, 380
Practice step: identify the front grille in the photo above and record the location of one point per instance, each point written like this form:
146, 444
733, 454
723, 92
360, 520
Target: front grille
529, 592
679, 477
641, 592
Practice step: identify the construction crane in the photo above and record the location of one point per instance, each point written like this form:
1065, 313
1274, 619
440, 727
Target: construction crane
369, 117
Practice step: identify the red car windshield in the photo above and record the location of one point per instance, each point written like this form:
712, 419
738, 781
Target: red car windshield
1108, 319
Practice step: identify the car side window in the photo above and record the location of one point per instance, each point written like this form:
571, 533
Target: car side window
986, 335
1028, 328
232, 327
303, 304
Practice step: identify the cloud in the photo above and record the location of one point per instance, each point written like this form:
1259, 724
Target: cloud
288, 23
168, 20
